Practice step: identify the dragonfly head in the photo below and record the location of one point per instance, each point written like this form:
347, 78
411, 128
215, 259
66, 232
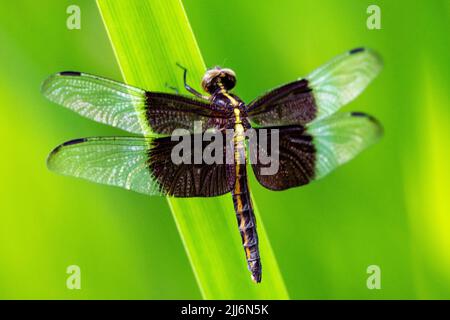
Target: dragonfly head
218, 78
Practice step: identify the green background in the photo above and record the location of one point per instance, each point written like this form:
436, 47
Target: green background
388, 207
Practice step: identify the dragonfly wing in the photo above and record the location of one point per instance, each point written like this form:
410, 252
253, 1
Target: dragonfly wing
340, 138
320, 94
116, 161
192, 178
292, 103
292, 159
308, 153
143, 165
127, 107
99, 99
167, 112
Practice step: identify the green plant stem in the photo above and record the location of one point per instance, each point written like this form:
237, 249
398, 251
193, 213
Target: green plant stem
149, 38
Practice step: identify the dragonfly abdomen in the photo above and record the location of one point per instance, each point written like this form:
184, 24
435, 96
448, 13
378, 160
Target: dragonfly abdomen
246, 222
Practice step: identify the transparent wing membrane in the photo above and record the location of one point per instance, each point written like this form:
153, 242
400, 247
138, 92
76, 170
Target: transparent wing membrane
342, 79
114, 161
340, 138
103, 100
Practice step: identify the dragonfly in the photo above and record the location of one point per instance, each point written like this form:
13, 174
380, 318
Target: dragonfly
314, 138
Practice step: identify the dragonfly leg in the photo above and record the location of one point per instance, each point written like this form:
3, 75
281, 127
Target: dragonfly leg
188, 87
175, 89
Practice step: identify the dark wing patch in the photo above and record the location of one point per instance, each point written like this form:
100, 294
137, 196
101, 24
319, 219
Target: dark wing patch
296, 158
189, 179
292, 103
167, 112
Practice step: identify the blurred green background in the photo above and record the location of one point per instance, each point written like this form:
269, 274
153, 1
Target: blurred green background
388, 207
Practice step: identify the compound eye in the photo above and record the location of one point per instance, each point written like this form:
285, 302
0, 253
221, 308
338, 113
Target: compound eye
228, 80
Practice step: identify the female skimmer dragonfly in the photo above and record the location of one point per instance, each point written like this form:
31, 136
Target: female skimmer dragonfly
313, 140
